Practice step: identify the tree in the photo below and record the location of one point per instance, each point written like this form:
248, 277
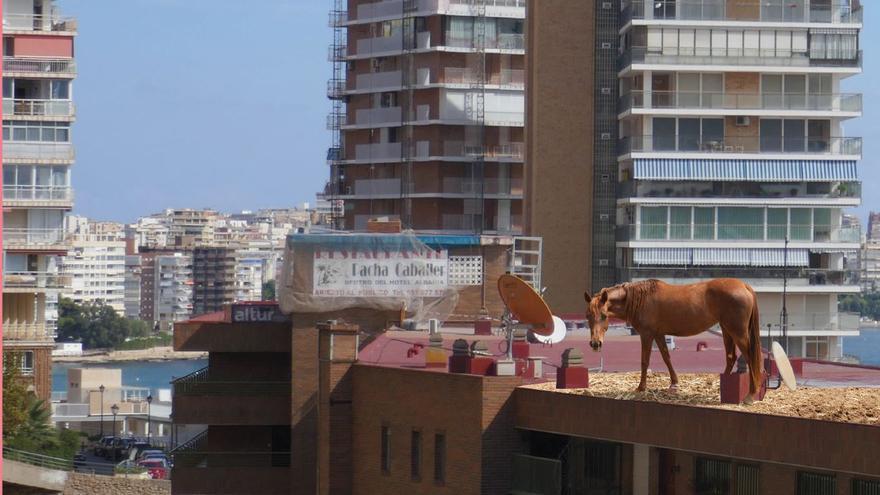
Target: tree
269, 291
95, 324
15, 395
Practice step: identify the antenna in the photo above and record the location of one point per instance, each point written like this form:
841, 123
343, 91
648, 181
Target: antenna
784, 366
526, 309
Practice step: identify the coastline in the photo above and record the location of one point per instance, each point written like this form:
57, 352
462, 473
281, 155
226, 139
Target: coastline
166, 353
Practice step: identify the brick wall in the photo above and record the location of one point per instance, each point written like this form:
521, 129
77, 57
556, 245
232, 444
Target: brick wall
85, 484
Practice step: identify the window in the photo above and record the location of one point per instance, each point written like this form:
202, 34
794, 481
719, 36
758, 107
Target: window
27, 363
386, 450
815, 484
60, 90
712, 477
19, 130
834, 45
747, 479
865, 487
439, 458
816, 347
415, 450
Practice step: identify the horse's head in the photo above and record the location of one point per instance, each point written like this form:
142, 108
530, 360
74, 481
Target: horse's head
602, 306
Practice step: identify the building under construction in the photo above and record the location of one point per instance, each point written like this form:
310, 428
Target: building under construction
427, 115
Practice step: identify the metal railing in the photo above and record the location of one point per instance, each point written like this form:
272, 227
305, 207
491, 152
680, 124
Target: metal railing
37, 193
735, 144
192, 454
33, 331
38, 22
65, 410
199, 382
504, 77
387, 79
31, 237
465, 185
736, 189
380, 115
844, 102
759, 276
716, 10
736, 232
734, 56
41, 280
501, 42
39, 65
34, 108
461, 149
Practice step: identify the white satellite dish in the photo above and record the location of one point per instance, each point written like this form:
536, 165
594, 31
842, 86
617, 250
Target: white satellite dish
556, 337
784, 366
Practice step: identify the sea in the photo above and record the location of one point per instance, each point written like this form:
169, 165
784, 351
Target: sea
152, 374
865, 347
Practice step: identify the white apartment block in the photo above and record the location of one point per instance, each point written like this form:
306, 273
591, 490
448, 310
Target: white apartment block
733, 158
249, 278
96, 266
173, 289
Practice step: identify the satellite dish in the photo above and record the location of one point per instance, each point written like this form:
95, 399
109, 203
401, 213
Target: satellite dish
558, 335
784, 366
526, 305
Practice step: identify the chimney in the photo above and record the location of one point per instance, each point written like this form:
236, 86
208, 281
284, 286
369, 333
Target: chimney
572, 373
472, 359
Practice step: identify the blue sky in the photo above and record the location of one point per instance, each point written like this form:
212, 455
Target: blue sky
216, 103
198, 103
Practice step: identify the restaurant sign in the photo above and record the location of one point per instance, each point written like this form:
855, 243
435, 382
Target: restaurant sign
353, 273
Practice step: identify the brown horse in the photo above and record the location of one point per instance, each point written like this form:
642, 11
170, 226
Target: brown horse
656, 309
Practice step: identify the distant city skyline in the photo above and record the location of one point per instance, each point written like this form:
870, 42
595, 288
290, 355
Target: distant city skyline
254, 93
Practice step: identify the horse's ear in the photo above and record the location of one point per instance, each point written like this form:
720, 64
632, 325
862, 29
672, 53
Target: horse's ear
587, 296
603, 296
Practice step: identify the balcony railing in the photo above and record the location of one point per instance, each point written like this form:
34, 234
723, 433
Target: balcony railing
377, 151
734, 56
37, 151
37, 193
375, 116
389, 79
737, 233
748, 144
335, 88
32, 237
656, 189
501, 42
716, 10
501, 151
466, 185
36, 331
757, 276
38, 108
39, 65
200, 382
505, 77
38, 22
844, 102
36, 280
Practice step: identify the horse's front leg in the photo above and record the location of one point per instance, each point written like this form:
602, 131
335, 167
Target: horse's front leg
664, 351
646, 360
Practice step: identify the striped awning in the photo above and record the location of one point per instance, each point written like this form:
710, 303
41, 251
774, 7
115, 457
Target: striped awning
745, 170
720, 257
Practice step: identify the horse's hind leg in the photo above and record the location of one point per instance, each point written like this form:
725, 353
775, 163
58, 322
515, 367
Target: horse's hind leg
729, 351
664, 351
646, 360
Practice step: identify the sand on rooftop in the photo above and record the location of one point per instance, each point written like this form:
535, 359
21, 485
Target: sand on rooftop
846, 405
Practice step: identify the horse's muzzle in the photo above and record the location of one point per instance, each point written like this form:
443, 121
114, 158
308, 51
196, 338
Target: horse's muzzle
595, 345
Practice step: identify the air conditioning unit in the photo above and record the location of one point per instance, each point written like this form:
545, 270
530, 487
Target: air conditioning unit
743, 121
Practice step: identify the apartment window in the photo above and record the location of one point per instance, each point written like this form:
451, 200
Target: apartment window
440, 458
415, 450
815, 484
36, 131
816, 347
27, 363
712, 477
385, 453
747, 479
834, 44
60, 90
865, 487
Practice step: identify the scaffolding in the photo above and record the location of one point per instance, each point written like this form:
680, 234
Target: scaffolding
475, 113
408, 73
337, 117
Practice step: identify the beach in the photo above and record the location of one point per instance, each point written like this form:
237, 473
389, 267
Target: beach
152, 354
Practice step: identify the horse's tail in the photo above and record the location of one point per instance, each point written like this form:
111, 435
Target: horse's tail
756, 354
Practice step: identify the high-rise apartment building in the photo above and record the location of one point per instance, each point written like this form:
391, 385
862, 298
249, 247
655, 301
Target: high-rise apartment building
873, 233
731, 157
38, 72
172, 288
96, 266
427, 114
132, 286
214, 273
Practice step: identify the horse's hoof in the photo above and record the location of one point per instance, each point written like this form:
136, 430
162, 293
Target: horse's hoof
749, 400
673, 389
640, 389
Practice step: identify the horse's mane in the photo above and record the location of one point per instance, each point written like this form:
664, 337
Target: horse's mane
636, 293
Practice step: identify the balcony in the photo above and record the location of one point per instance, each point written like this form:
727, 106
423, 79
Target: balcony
27, 331
200, 399
758, 277
383, 116
199, 469
378, 151
37, 196
394, 8
732, 56
40, 152
380, 44
745, 233
378, 80
335, 88
512, 78
695, 100
829, 146
38, 108
503, 42
488, 186
27, 239
28, 281
39, 67
715, 10
472, 223
739, 189
38, 22
500, 152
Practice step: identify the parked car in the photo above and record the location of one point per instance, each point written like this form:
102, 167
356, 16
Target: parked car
139, 446
119, 448
103, 444
158, 468
146, 454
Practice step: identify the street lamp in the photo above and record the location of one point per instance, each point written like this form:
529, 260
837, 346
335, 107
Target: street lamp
149, 425
115, 409
101, 388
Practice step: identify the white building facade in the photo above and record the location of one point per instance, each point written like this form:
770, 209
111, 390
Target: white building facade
733, 160
96, 266
173, 289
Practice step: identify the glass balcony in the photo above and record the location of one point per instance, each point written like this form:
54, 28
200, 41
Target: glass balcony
38, 22
13, 150
738, 189
35, 238
678, 143
756, 276
826, 102
735, 56
737, 233
37, 194
36, 280
38, 108
721, 10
